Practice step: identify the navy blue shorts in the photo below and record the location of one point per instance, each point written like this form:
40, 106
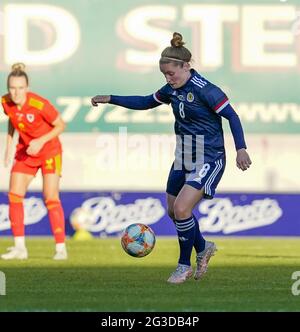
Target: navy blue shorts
207, 177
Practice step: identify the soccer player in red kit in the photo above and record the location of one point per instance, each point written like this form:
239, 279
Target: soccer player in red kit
38, 124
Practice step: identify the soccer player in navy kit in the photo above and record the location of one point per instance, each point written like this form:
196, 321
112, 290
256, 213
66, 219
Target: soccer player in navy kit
198, 107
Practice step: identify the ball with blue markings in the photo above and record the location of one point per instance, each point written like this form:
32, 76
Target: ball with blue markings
138, 240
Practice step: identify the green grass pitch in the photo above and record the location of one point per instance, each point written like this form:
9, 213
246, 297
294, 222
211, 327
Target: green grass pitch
245, 275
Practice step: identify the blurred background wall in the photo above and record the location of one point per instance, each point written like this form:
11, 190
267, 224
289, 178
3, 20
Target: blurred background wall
75, 50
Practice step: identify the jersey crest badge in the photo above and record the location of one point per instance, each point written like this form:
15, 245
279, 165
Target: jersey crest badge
190, 97
30, 117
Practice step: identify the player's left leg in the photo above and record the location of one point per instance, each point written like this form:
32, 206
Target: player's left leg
51, 178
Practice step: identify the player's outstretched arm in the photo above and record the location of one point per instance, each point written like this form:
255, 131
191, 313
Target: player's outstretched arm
131, 102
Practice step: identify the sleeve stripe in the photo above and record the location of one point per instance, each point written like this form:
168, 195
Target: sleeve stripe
221, 105
155, 97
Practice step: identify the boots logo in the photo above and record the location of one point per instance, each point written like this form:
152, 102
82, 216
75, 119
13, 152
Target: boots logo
223, 216
102, 214
34, 211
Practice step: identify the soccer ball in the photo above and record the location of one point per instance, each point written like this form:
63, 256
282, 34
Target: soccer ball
138, 240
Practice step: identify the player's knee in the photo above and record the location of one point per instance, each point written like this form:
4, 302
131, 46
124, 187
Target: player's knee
171, 213
15, 198
51, 202
181, 211
50, 196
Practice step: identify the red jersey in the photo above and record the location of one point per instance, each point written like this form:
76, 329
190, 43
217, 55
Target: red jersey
32, 121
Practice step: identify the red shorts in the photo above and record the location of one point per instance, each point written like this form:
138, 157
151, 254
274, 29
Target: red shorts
50, 165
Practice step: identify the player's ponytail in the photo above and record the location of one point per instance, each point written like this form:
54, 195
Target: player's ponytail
18, 70
176, 53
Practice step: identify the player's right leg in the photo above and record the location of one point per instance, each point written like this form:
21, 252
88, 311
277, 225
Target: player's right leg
185, 225
199, 242
17, 189
176, 181
170, 206
182, 272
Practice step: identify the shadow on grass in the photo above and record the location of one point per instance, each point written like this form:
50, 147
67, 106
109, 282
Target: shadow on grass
109, 288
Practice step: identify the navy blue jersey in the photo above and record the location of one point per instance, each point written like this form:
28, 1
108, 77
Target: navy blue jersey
196, 106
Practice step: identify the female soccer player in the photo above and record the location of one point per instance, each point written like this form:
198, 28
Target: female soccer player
198, 107
38, 124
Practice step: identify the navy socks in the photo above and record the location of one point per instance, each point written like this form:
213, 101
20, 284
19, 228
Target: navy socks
186, 237
199, 243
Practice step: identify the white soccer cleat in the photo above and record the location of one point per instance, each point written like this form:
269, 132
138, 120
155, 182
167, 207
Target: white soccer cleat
181, 274
203, 258
60, 255
15, 253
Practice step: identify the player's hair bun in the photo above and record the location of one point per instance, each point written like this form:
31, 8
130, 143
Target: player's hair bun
18, 66
177, 40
